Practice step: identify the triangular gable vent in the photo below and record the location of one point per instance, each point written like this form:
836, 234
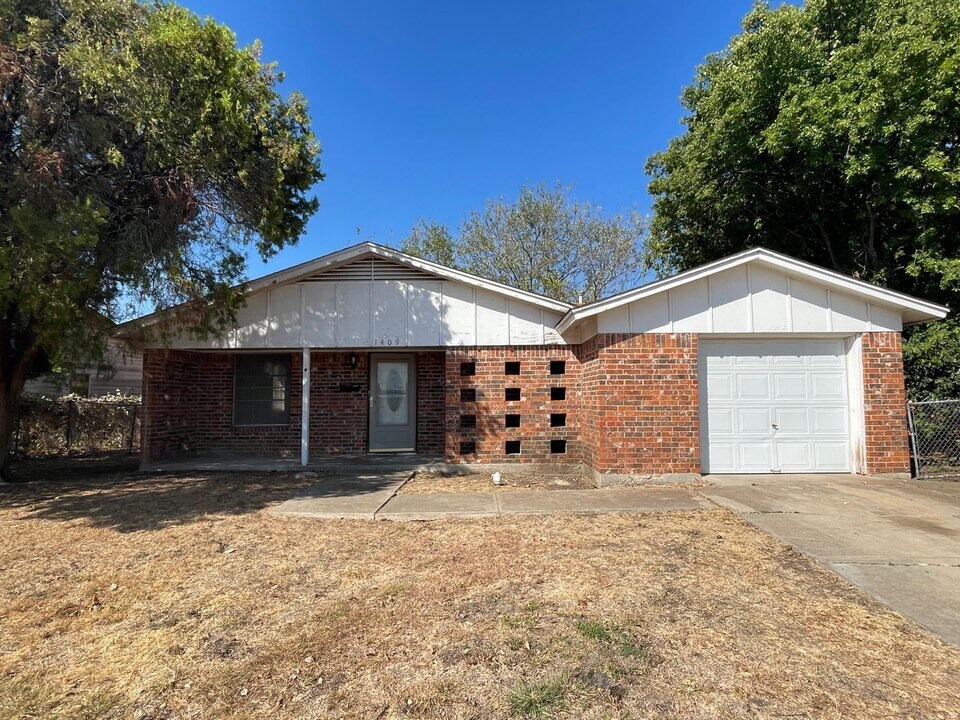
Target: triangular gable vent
372, 268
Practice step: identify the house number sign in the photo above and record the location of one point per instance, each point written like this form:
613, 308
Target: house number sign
388, 342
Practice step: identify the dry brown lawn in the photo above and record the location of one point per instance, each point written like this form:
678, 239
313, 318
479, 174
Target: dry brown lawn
181, 597
522, 478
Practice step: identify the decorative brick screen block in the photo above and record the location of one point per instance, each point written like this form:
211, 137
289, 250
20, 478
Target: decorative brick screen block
884, 404
640, 409
491, 408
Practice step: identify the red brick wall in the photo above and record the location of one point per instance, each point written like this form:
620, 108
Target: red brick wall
339, 402
534, 407
431, 402
189, 401
884, 404
189, 408
168, 418
640, 403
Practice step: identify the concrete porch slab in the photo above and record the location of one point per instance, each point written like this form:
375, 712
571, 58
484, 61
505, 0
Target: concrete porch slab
408, 462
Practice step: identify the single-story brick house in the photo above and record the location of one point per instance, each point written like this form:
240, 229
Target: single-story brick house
754, 363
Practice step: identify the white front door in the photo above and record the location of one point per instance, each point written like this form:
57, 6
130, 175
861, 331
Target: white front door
774, 406
393, 403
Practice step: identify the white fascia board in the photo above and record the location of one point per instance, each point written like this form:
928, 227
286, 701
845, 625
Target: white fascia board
913, 309
342, 257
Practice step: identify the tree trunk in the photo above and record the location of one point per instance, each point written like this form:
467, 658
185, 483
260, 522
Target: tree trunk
15, 365
8, 414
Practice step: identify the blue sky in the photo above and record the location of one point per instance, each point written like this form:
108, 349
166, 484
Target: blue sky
427, 109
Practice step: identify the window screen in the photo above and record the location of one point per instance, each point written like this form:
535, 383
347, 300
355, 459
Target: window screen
262, 392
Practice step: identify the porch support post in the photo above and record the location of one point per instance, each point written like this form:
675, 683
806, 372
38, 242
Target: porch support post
305, 409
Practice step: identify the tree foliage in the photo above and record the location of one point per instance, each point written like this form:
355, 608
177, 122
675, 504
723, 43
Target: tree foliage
545, 242
141, 152
829, 132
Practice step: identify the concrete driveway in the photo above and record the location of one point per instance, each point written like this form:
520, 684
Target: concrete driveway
897, 540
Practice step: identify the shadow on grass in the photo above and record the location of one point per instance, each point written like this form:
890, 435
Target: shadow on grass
109, 492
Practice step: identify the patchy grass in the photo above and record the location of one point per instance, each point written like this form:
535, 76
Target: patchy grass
162, 596
536, 699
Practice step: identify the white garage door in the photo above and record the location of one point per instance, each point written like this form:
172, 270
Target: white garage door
774, 406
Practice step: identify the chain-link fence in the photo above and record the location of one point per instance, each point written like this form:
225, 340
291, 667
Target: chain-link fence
935, 437
62, 426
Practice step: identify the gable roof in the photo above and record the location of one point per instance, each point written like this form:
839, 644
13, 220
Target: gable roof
314, 269
913, 310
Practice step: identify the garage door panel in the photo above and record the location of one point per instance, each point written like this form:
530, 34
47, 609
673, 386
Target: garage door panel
792, 421
831, 457
754, 421
794, 456
754, 456
828, 385
751, 360
723, 457
720, 421
775, 405
829, 421
752, 386
790, 385
720, 386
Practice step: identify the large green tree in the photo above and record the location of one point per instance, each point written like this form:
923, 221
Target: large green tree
141, 153
830, 132
545, 242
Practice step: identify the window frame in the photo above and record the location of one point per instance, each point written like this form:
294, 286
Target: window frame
288, 384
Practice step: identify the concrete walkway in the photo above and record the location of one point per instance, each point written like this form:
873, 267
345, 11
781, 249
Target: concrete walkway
899, 540
372, 496
351, 495
540, 502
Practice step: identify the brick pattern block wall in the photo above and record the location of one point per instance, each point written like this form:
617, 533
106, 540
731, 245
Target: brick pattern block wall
489, 433
884, 404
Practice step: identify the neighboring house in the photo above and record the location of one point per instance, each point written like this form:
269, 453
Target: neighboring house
755, 363
126, 378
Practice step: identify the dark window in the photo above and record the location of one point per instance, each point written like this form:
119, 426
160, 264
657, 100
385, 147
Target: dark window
468, 395
468, 368
468, 421
80, 384
511, 368
558, 419
511, 394
512, 447
558, 367
558, 393
468, 447
558, 447
262, 390
511, 421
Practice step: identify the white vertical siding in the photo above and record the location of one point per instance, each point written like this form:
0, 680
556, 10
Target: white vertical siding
749, 299
383, 313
